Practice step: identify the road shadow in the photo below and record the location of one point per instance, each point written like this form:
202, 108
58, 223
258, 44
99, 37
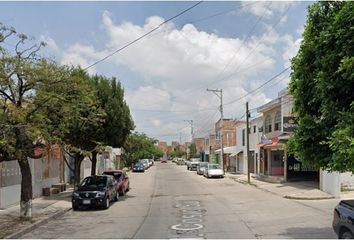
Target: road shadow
125, 197
309, 233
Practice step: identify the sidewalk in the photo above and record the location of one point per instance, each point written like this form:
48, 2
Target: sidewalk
43, 209
291, 190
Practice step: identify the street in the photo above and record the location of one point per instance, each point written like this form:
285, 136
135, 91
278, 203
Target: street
167, 201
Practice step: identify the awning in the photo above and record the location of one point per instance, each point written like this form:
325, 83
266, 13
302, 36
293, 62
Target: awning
236, 153
273, 142
230, 150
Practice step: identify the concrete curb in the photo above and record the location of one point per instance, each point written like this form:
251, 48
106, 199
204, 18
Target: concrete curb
284, 196
33, 226
308, 198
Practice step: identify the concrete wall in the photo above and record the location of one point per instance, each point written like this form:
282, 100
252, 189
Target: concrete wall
9, 195
45, 173
330, 182
347, 181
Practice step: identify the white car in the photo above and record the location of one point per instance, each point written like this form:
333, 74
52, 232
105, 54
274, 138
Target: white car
213, 170
145, 162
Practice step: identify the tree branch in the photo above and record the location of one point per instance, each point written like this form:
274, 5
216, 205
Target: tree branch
67, 164
2, 92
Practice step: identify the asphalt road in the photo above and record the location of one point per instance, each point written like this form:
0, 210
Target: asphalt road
167, 201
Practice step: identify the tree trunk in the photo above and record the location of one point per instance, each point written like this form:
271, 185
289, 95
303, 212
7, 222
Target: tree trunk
94, 163
78, 160
26, 189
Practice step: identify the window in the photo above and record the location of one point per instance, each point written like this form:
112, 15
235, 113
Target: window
254, 129
277, 121
268, 124
243, 136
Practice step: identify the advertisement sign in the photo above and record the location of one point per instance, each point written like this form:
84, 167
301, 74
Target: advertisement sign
289, 124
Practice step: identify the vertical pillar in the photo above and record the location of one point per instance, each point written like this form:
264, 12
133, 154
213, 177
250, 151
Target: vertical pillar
285, 166
269, 158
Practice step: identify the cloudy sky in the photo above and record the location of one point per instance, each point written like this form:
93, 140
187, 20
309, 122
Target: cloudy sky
233, 46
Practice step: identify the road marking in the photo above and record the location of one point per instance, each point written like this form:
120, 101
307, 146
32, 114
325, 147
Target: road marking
191, 219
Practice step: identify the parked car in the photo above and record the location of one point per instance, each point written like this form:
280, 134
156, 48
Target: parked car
201, 167
138, 167
152, 162
343, 217
122, 180
95, 191
192, 166
145, 162
163, 160
213, 170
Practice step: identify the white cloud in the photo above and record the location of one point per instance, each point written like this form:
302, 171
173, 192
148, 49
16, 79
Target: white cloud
267, 9
81, 55
177, 65
50, 42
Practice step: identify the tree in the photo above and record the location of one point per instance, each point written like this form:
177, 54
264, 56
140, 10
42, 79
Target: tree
84, 120
118, 122
139, 146
177, 153
24, 79
193, 150
322, 84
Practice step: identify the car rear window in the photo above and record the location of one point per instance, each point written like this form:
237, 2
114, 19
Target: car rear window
116, 175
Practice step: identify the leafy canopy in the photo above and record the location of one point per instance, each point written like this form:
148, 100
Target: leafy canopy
322, 83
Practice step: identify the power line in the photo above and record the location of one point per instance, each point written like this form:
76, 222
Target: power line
232, 58
142, 36
259, 87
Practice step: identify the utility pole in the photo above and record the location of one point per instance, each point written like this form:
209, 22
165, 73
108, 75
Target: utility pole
248, 144
191, 123
218, 93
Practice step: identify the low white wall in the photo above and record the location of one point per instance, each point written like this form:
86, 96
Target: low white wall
9, 195
330, 182
347, 181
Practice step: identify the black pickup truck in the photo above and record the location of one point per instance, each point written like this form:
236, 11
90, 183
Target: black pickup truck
343, 219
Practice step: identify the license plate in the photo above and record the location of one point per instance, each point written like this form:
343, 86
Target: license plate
86, 201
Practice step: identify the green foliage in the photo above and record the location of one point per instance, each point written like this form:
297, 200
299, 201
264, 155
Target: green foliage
118, 123
177, 153
139, 146
322, 83
193, 151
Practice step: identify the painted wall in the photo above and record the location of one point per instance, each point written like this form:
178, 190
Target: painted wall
330, 182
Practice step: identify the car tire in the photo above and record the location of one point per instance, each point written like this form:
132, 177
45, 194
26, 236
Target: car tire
107, 203
75, 206
346, 235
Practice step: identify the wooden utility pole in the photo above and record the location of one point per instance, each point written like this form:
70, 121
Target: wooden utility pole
248, 144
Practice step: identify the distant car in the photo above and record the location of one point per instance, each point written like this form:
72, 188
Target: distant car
192, 166
213, 170
343, 219
163, 161
138, 167
122, 180
201, 168
95, 191
145, 162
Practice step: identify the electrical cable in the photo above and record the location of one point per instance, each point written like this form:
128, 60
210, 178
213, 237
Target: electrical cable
142, 36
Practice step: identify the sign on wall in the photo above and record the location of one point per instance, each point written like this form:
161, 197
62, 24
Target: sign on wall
289, 124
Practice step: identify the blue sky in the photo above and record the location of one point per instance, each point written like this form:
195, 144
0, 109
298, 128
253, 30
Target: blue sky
165, 75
